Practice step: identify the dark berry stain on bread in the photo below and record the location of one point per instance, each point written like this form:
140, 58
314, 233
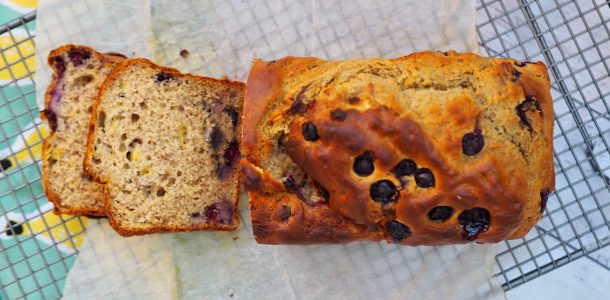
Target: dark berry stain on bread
79, 56
220, 212
163, 77
298, 106
217, 138
233, 114
310, 132
222, 171
353, 100
280, 140
284, 213
301, 95
134, 142
364, 164
544, 198
516, 75
231, 153
440, 213
338, 115
55, 96
230, 156
384, 191
424, 178
405, 167
528, 106
322, 192
473, 142
521, 64
60, 65
474, 221
289, 183
398, 231
55, 93
51, 119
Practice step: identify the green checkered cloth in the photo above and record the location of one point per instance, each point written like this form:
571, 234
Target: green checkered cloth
37, 248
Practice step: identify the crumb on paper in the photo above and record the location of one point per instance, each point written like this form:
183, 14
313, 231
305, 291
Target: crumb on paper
235, 238
184, 53
231, 295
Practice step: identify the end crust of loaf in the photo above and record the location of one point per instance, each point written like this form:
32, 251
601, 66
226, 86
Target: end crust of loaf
78, 73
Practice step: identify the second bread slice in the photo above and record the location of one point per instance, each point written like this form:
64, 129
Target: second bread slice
166, 145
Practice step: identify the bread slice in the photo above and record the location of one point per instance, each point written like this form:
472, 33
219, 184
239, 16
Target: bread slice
78, 74
166, 145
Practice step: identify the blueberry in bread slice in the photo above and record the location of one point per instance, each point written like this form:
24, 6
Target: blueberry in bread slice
167, 146
78, 74
427, 149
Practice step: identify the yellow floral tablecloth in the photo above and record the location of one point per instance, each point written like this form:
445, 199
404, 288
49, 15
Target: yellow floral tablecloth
37, 247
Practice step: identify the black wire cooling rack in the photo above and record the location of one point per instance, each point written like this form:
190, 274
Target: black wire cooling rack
571, 37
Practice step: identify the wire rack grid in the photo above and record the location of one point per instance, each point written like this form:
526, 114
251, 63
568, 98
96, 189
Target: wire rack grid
571, 37
21, 195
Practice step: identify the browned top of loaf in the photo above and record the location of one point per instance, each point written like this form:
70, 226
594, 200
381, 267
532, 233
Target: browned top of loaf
110, 58
418, 106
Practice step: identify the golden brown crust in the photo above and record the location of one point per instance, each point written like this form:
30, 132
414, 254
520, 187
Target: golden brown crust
114, 222
266, 78
466, 92
113, 58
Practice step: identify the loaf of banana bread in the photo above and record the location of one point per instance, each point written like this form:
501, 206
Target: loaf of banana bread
428, 149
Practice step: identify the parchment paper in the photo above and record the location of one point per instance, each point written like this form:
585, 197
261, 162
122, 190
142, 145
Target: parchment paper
222, 38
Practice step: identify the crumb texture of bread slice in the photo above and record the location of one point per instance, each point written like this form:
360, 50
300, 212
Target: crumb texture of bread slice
167, 146
79, 72
427, 149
